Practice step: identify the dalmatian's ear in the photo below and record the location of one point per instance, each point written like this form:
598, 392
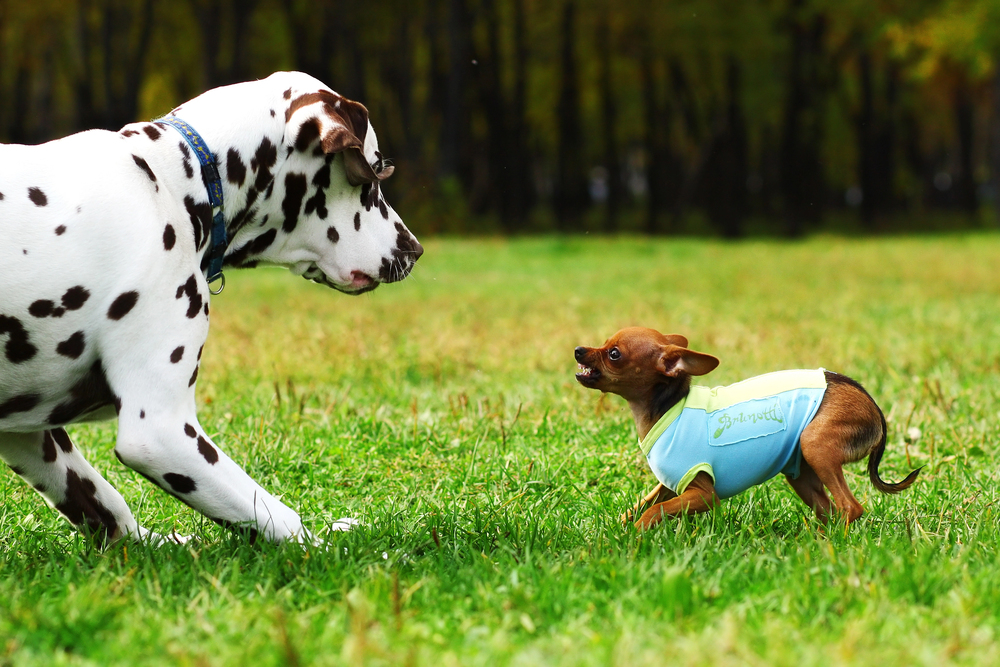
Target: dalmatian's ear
341, 126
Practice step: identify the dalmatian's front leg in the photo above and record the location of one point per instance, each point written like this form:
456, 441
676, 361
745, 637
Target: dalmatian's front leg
50, 463
153, 369
170, 448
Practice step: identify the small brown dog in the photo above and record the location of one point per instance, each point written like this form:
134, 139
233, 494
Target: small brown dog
707, 444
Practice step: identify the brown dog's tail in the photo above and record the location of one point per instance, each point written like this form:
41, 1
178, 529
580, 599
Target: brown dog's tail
876, 457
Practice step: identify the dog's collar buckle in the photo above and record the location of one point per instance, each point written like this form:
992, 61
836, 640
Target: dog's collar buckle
213, 184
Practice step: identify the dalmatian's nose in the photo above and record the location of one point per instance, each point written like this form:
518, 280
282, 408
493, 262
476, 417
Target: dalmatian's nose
417, 250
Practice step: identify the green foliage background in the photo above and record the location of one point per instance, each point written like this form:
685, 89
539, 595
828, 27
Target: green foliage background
500, 114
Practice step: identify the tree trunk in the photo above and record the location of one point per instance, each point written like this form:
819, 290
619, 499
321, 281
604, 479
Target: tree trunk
995, 140
966, 182
84, 80
571, 185
242, 14
656, 122
493, 107
18, 130
802, 181
454, 131
519, 162
725, 183
209, 15
612, 162
865, 131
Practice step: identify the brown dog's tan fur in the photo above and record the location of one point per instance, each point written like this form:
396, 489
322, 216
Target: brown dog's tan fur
652, 371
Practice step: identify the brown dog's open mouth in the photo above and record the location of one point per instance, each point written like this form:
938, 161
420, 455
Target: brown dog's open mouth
588, 375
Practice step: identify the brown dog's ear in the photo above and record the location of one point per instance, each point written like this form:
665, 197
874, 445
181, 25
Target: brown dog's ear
677, 360
675, 339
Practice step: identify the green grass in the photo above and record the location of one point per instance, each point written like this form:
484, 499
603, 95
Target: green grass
443, 413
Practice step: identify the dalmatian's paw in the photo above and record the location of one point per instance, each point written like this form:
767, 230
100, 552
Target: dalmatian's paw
155, 539
344, 524
322, 539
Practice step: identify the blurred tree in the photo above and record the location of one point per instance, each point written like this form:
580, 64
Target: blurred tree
571, 194
113, 38
723, 176
803, 184
702, 115
954, 46
609, 125
224, 26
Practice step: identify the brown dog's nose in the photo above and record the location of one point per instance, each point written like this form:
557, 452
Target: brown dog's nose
579, 352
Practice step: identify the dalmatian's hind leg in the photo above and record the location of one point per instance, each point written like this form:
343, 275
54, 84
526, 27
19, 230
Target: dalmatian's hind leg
49, 462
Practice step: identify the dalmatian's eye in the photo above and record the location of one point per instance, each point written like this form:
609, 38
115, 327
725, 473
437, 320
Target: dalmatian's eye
614, 354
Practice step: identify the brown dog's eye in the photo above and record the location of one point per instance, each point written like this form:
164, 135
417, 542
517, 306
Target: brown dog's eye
614, 354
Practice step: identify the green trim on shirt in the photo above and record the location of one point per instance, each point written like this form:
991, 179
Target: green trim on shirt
662, 425
690, 475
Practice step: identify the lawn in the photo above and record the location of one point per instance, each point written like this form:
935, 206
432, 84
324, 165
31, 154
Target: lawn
442, 412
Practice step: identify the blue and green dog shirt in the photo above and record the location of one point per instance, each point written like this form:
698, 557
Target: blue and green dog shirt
742, 434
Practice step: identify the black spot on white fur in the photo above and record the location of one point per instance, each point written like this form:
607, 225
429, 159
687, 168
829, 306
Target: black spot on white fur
20, 403
308, 133
236, 171
81, 506
317, 202
62, 439
75, 297
41, 308
201, 220
295, 191
263, 159
142, 164
245, 254
122, 305
180, 483
90, 393
73, 346
49, 453
18, 348
190, 288
188, 171
169, 237
207, 450
37, 197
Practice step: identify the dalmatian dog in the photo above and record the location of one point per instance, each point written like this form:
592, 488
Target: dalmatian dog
105, 241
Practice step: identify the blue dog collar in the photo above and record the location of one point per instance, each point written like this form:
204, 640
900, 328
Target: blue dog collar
213, 183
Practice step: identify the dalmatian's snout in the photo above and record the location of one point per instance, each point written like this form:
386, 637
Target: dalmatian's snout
403, 258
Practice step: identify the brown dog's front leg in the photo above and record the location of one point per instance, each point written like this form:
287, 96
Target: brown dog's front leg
698, 497
657, 495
